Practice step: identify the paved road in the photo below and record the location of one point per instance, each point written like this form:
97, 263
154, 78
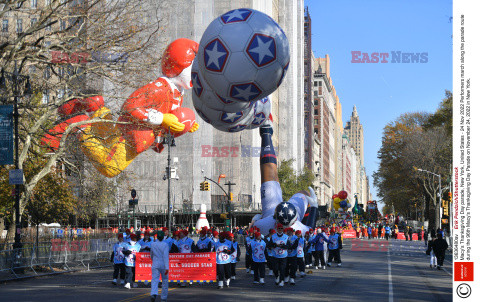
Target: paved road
371, 271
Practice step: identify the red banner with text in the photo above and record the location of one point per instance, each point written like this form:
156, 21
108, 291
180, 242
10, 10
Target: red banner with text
349, 234
195, 267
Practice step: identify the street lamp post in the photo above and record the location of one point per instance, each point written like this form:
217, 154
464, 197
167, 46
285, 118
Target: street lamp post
16, 80
439, 195
170, 141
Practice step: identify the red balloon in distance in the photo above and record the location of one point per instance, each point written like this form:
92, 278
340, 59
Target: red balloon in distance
334, 196
342, 194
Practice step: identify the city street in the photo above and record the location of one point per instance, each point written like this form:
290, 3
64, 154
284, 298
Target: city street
371, 271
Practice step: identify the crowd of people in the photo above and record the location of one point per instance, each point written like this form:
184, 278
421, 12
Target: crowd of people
284, 252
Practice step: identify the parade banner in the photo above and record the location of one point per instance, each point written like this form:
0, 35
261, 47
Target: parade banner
6, 135
183, 267
349, 234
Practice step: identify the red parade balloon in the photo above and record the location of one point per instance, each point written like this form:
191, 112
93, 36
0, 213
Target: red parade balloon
342, 194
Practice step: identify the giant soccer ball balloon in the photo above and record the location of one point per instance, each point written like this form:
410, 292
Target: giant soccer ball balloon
225, 114
243, 55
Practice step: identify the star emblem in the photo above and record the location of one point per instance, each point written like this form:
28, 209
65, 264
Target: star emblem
197, 85
215, 55
262, 49
291, 213
231, 117
259, 119
237, 128
236, 15
285, 221
280, 214
285, 205
264, 100
245, 92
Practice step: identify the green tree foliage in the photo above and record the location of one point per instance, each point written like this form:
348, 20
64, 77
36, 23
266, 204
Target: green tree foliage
291, 182
411, 142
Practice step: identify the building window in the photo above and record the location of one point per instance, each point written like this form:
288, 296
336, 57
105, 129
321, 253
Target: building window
46, 73
5, 26
63, 24
19, 26
315, 93
315, 83
33, 21
315, 102
33, 3
315, 122
48, 27
45, 97
315, 112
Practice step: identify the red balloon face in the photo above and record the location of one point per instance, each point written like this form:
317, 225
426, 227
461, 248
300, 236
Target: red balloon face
334, 196
342, 194
185, 116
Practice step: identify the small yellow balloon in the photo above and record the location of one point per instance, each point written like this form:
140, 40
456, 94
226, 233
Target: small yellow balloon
337, 200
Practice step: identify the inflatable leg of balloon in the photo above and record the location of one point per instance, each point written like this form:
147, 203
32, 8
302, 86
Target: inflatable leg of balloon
106, 147
312, 217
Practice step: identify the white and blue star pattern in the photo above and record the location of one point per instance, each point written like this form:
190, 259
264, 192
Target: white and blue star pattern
245, 92
197, 85
215, 55
231, 117
285, 213
236, 15
259, 119
262, 49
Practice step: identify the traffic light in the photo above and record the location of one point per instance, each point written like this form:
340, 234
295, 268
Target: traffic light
231, 196
207, 186
202, 186
449, 197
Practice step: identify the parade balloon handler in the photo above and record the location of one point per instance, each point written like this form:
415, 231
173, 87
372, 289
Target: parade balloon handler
130, 249
269, 252
146, 116
248, 255
223, 249
169, 240
279, 244
300, 253
204, 243
291, 256
334, 247
235, 255
159, 253
318, 245
309, 248
118, 260
257, 249
184, 244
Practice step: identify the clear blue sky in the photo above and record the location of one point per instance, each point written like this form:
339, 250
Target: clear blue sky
382, 92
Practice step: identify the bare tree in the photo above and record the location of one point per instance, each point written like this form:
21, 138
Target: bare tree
71, 49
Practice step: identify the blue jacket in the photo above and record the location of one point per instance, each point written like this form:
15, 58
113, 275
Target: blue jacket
318, 241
